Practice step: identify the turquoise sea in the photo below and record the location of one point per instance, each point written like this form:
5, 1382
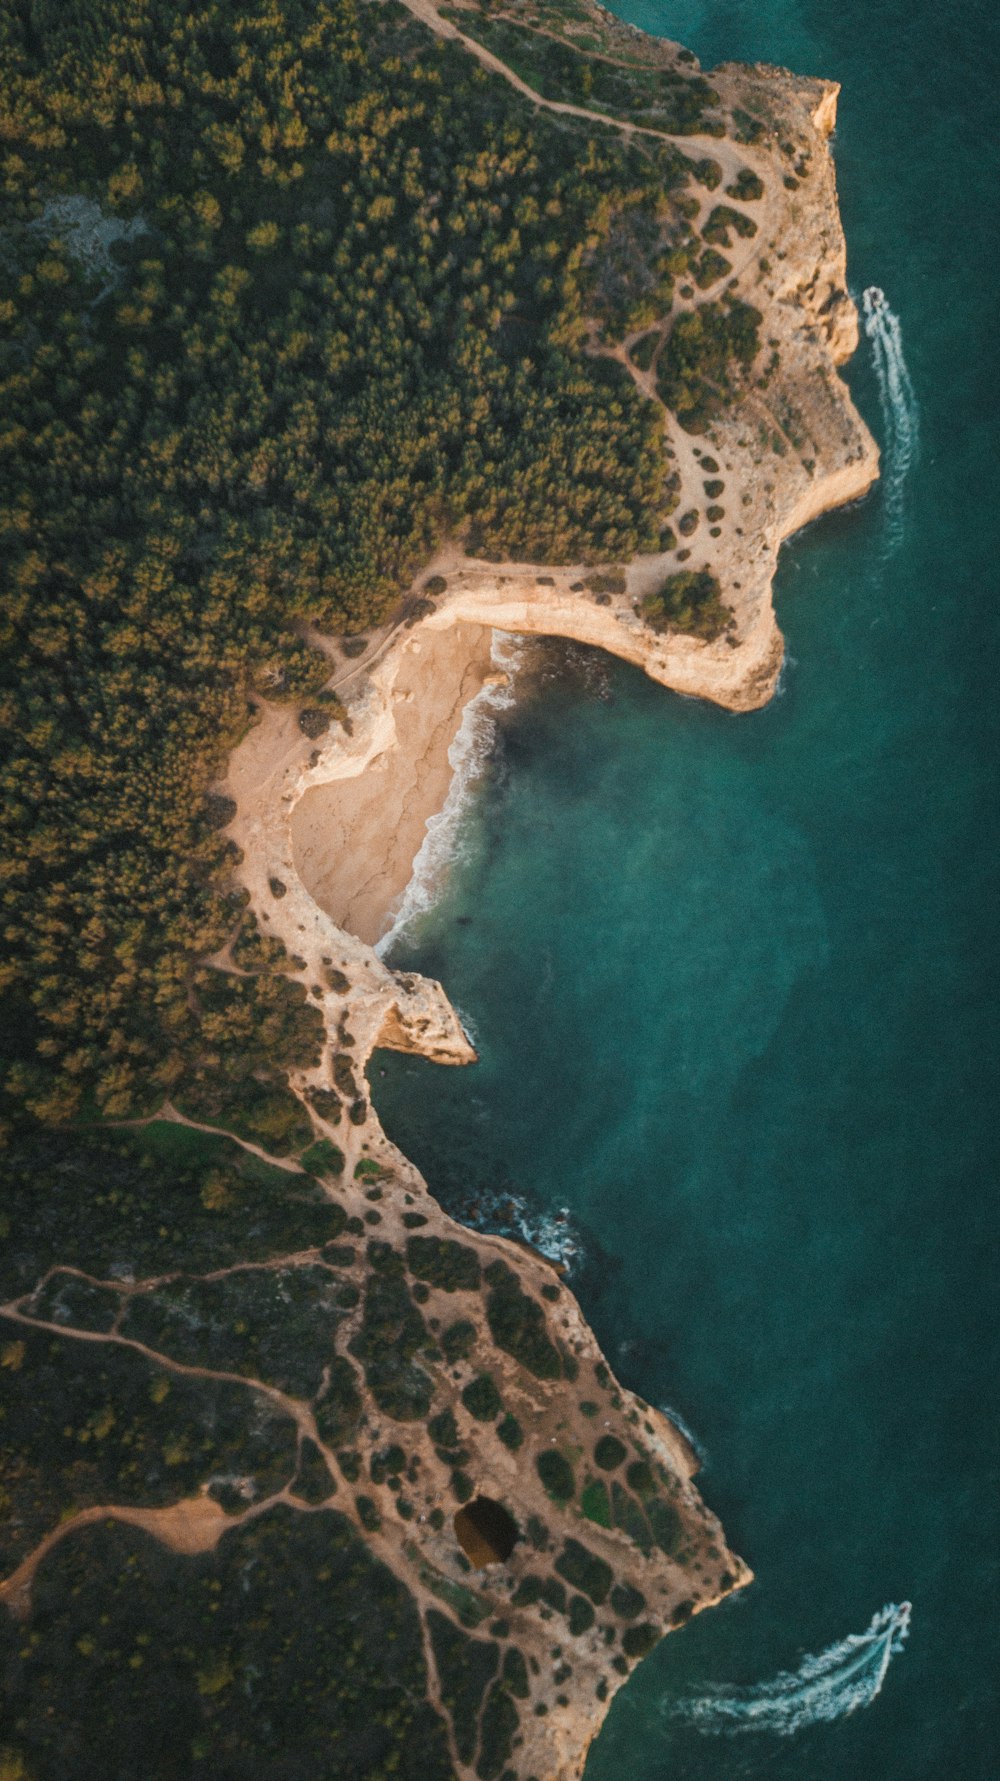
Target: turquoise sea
734, 984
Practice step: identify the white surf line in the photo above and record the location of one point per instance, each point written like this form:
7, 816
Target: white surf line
900, 410
467, 757
842, 1679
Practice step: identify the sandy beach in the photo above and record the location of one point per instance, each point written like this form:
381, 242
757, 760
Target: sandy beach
354, 840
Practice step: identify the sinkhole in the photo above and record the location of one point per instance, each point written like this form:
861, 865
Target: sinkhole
486, 1532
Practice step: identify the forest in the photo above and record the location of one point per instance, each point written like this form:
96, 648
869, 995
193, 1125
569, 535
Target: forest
290, 291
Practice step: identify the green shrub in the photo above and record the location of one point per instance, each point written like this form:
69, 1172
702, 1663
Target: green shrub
392, 1330
710, 268
690, 601
465, 1668
537, 1533
368, 1514
326, 1104
510, 1432
556, 1474
584, 1571
387, 1462
343, 1074
481, 1398
713, 488
313, 721
338, 1411
609, 1452
323, 1158
496, 1740
707, 351
528, 1591
640, 1478
553, 1594
453, 1267
517, 1323
462, 1485
630, 1518
458, 1341
627, 1601
443, 1429
747, 186
638, 1640
643, 351
608, 581
515, 1673
721, 220
581, 1615
667, 1526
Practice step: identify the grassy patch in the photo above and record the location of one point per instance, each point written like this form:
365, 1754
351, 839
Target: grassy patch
595, 1502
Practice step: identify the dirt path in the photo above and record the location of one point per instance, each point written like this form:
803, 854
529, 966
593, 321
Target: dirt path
725, 153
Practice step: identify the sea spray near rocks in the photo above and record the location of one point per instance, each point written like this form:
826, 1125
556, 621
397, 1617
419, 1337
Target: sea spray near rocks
840, 1680
467, 757
696, 1445
900, 412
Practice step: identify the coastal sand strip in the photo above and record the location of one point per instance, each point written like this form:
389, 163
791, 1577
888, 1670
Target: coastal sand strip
355, 839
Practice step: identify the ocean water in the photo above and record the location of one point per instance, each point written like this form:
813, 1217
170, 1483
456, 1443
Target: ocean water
734, 985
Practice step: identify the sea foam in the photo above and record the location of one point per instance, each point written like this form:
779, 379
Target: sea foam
839, 1681
467, 756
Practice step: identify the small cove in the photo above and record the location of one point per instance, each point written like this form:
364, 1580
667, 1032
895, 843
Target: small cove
733, 985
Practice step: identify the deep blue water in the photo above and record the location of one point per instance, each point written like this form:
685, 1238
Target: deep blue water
734, 984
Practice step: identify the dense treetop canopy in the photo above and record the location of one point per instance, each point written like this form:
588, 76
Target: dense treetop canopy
290, 290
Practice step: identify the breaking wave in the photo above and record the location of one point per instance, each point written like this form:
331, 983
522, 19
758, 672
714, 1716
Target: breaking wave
697, 1447
845, 1677
900, 413
513, 1214
467, 756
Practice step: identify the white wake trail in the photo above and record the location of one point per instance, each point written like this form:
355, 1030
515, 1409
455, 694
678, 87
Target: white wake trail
467, 758
845, 1677
900, 411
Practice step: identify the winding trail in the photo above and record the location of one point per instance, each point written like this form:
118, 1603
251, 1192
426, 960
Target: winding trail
722, 151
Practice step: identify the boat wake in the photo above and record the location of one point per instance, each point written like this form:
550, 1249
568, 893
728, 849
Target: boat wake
900, 413
845, 1677
467, 758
